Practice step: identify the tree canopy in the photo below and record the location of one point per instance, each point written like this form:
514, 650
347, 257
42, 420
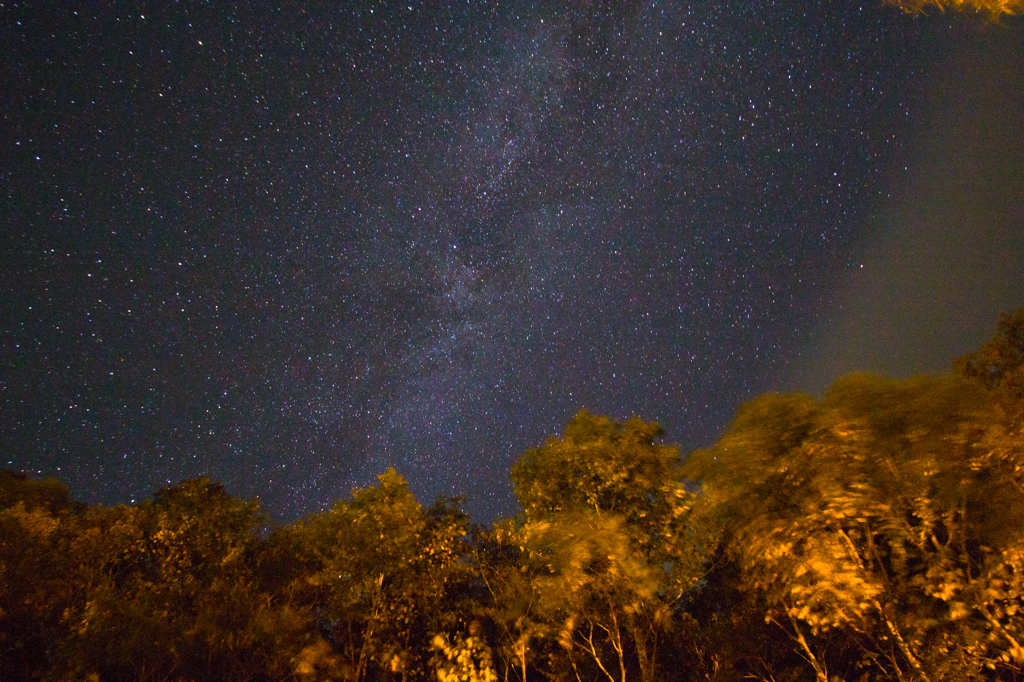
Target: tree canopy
876, 533
890, 510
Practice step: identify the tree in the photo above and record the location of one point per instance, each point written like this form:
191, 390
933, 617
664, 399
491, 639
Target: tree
48, 495
383, 566
35, 583
891, 512
608, 539
999, 364
168, 590
618, 469
510, 602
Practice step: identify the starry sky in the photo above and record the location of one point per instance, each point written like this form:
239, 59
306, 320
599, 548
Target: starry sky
289, 247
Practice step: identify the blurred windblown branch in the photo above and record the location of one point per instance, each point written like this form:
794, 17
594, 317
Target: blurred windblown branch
995, 7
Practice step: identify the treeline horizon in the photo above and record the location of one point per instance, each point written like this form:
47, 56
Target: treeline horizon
876, 533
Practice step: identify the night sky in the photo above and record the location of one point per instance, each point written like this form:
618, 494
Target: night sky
288, 248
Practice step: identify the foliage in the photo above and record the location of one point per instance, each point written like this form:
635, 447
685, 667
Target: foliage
34, 586
993, 7
608, 540
877, 533
467, 659
999, 364
382, 566
169, 590
618, 470
49, 494
892, 511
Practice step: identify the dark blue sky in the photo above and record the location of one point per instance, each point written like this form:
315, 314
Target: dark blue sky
287, 248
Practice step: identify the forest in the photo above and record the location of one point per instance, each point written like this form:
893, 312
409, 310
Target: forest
876, 533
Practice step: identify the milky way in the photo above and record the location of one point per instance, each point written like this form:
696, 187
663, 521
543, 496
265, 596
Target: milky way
287, 249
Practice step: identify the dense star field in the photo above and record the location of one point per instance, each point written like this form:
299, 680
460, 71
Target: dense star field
287, 248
